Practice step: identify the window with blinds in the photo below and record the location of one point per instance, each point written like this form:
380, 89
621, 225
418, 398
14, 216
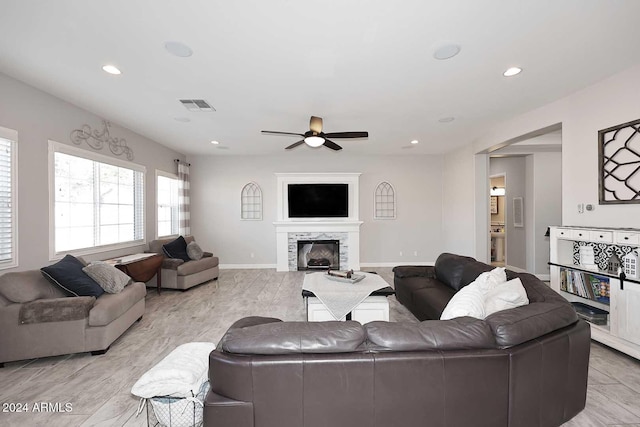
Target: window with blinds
8, 237
168, 207
96, 203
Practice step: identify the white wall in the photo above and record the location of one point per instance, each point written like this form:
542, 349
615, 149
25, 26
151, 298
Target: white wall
514, 169
458, 214
607, 103
547, 207
39, 117
218, 180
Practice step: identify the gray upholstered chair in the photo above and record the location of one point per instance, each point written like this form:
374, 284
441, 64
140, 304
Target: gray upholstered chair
178, 274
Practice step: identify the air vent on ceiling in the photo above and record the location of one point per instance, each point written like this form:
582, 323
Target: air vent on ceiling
197, 105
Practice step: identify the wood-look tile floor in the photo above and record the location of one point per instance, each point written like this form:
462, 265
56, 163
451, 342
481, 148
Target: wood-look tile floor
98, 387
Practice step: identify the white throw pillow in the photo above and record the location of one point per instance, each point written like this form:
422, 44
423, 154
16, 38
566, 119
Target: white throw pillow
505, 296
490, 279
468, 301
107, 276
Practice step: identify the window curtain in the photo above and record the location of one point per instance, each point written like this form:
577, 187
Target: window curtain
184, 211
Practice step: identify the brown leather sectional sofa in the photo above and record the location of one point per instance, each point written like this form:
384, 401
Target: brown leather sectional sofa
520, 367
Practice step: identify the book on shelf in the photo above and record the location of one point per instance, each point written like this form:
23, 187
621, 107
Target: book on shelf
586, 285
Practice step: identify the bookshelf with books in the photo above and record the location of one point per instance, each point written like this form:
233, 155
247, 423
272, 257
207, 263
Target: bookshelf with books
592, 288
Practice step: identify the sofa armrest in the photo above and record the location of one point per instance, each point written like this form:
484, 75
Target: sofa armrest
207, 254
56, 309
517, 325
403, 271
172, 263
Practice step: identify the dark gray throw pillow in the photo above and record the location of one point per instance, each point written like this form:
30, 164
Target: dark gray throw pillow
177, 249
67, 274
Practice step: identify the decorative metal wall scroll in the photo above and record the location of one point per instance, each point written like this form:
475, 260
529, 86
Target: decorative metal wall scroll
619, 163
97, 138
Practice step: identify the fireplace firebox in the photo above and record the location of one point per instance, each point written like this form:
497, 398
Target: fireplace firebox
318, 254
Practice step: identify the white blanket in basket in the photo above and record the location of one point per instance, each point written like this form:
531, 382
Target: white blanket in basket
179, 374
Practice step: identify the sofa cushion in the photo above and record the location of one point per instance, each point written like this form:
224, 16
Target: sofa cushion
109, 307
107, 276
68, 275
457, 334
404, 271
25, 286
156, 245
431, 301
194, 251
176, 249
450, 268
192, 267
295, 337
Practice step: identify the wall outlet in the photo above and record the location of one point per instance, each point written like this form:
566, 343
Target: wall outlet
252, 255
400, 253
415, 253
580, 207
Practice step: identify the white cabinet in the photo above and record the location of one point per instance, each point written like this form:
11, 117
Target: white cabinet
628, 303
623, 329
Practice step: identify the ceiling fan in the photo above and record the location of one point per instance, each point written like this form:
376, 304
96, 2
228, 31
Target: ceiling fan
314, 137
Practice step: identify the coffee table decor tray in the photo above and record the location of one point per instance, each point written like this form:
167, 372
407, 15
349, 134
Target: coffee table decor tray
353, 279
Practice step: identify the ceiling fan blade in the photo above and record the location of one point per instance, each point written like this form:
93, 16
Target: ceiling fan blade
315, 124
295, 144
275, 132
347, 135
332, 145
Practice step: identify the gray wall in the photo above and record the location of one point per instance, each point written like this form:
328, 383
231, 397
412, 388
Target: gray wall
218, 180
514, 169
547, 207
39, 117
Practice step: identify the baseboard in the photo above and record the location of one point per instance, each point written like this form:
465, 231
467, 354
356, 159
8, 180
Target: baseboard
394, 264
516, 269
245, 266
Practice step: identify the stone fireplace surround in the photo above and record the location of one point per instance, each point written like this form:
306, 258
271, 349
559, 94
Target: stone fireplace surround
290, 230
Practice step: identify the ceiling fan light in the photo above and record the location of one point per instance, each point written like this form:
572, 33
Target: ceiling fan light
314, 141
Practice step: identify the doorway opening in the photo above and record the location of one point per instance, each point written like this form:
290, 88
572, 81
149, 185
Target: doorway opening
497, 215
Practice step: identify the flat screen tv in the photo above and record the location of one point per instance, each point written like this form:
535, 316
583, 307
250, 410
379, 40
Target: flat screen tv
318, 200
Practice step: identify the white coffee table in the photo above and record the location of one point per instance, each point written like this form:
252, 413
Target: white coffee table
367, 299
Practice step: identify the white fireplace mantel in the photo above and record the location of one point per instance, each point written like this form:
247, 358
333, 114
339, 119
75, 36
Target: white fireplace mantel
349, 225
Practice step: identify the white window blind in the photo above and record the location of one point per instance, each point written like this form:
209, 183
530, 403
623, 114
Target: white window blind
168, 208
96, 203
7, 204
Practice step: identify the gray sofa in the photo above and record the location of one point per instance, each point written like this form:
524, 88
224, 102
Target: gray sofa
39, 320
178, 274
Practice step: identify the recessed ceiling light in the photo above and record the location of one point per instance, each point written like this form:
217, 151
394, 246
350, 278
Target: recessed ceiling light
112, 69
446, 51
512, 71
446, 119
215, 142
415, 141
182, 119
178, 49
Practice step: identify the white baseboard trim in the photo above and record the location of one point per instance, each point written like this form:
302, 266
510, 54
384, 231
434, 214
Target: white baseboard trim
516, 269
394, 264
245, 266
